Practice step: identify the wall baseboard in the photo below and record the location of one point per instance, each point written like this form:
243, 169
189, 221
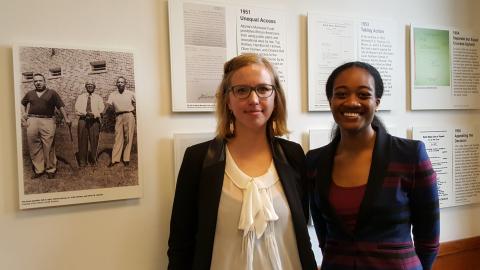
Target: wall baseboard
463, 254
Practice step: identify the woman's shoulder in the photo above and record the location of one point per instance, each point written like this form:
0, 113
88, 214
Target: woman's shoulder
316, 153
290, 147
407, 150
406, 144
199, 148
287, 143
289, 150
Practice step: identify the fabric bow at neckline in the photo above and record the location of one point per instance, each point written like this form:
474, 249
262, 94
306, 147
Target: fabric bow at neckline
257, 207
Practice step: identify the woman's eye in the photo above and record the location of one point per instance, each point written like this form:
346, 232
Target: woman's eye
365, 95
243, 90
263, 89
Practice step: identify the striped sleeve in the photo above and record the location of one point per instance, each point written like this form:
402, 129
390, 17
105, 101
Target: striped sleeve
425, 211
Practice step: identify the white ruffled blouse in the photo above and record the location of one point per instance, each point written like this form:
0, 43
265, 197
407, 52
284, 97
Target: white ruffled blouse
254, 225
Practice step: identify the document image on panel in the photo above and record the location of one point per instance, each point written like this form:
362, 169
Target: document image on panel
438, 143
432, 57
331, 42
205, 50
198, 50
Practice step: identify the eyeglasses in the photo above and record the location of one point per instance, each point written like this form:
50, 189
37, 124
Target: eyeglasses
243, 91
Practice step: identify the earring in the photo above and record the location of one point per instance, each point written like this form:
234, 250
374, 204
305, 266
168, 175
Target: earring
232, 127
274, 126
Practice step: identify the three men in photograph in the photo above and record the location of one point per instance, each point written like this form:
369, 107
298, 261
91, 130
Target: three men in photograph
38, 116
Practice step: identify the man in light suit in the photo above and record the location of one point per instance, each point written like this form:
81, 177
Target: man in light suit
89, 107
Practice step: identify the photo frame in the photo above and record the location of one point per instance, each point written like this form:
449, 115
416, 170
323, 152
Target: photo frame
54, 122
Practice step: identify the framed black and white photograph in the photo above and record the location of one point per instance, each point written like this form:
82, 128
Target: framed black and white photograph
76, 126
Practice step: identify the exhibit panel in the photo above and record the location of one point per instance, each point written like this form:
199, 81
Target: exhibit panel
445, 63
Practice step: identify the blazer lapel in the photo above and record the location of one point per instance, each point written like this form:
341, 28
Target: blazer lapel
378, 169
287, 177
210, 190
212, 179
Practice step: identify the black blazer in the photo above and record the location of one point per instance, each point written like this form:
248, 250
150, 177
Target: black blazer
197, 196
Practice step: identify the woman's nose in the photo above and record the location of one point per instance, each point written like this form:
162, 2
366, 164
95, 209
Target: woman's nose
253, 98
352, 100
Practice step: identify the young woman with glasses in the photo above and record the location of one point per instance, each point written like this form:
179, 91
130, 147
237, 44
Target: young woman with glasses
241, 200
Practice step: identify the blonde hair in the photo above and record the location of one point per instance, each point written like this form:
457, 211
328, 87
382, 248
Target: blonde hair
276, 124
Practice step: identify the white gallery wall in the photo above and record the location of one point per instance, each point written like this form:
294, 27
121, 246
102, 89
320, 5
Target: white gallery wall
133, 234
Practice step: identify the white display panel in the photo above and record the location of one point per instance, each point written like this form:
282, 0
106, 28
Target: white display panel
445, 68
204, 35
455, 156
181, 141
335, 40
318, 138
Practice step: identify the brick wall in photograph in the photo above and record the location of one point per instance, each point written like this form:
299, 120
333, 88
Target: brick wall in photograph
77, 67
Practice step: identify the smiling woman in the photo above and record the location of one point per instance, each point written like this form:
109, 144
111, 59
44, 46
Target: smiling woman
371, 189
367, 85
354, 102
